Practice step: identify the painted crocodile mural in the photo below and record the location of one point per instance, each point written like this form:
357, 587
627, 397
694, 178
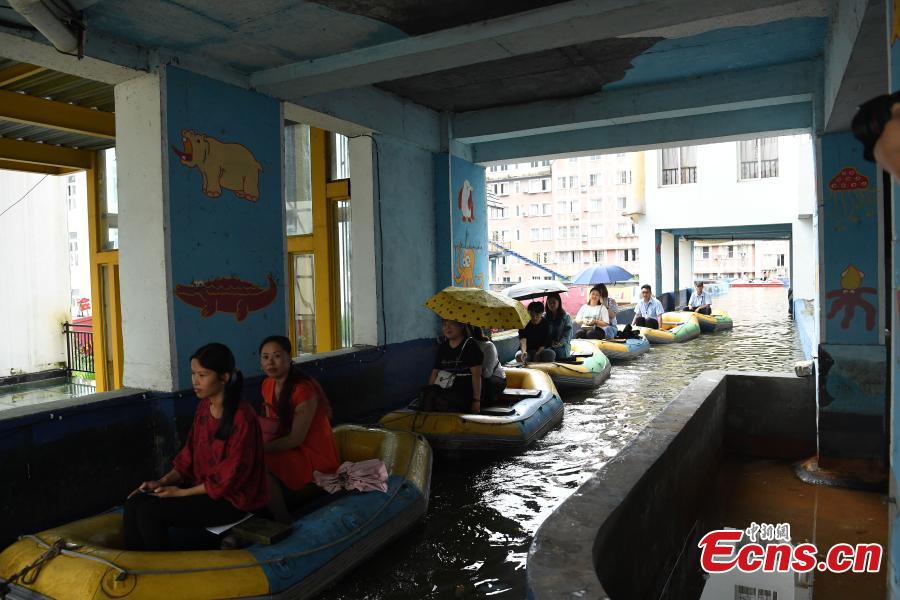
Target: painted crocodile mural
227, 295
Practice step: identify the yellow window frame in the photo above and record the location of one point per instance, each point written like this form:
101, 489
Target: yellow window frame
321, 245
99, 259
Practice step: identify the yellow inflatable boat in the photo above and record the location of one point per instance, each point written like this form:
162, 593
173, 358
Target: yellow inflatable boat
719, 320
530, 407
86, 558
588, 369
676, 327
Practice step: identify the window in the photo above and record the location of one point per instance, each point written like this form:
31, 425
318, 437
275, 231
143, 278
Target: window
595, 204
537, 257
495, 236
730, 251
678, 165
779, 260
504, 167
634, 254
561, 183
545, 183
506, 280
493, 168
536, 277
545, 163
758, 158
705, 252
73, 248
497, 212
623, 176
516, 187
71, 193
562, 232
548, 257
546, 234
574, 231
595, 230
595, 157
535, 234
594, 178
562, 206
504, 235
518, 235
546, 208
535, 210
573, 181
621, 202
629, 255
534, 164
574, 159
503, 188
598, 256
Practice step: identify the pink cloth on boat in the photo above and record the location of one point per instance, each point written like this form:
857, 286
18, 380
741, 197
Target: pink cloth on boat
364, 476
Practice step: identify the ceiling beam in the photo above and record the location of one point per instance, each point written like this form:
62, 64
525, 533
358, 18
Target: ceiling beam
18, 72
574, 22
697, 129
855, 60
752, 88
14, 165
44, 154
32, 110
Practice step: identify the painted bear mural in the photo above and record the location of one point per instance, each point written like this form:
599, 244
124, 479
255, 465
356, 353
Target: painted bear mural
223, 165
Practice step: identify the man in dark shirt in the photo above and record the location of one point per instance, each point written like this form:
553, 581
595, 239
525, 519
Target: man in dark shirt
534, 340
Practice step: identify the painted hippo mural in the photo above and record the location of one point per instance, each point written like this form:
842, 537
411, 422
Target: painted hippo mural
227, 294
223, 165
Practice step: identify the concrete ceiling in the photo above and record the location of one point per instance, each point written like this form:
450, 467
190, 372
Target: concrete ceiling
592, 66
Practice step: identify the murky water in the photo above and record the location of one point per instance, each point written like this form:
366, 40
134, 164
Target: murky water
38, 392
474, 541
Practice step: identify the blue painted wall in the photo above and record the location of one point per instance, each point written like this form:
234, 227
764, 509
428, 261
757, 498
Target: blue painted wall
849, 227
407, 245
225, 236
852, 366
461, 227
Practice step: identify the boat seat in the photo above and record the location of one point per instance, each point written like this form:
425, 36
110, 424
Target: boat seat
259, 530
498, 411
520, 393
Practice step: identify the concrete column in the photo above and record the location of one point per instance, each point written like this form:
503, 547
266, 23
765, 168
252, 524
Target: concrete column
676, 275
201, 223
460, 222
657, 249
852, 366
894, 300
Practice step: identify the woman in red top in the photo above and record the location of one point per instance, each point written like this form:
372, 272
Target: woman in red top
218, 475
301, 440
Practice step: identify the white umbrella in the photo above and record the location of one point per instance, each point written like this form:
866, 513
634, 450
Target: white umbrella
534, 289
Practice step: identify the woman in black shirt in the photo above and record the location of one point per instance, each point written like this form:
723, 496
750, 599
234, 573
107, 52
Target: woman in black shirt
455, 382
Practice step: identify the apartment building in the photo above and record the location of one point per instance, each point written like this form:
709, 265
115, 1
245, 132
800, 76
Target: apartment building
553, 218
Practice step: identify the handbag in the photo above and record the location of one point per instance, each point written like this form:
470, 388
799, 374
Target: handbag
446, 379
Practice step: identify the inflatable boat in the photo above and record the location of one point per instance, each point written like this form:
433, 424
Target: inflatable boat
587, 370
528, 409
717, 321
676, 327
612, 349
86, 558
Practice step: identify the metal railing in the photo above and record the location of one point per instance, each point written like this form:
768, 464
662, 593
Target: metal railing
79, 348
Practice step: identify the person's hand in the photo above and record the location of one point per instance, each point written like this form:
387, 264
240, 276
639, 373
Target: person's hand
146, 487
476, 406
169, 491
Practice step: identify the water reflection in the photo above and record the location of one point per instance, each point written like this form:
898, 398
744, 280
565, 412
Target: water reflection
474, 541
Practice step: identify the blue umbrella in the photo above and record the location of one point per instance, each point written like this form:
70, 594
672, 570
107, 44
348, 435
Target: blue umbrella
601, 274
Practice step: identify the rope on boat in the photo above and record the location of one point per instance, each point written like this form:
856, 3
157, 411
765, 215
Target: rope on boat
29, 573
123, 572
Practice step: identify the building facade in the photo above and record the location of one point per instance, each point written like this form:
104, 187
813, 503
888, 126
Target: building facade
552, 218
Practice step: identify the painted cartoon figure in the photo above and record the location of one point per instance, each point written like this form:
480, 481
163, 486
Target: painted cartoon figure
223, 165
465, 203
465, 268
227, 294
850, 296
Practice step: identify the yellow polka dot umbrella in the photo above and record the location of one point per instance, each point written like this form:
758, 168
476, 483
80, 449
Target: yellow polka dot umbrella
476, 306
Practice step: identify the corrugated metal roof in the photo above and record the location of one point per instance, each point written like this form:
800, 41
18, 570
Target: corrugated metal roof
59, 87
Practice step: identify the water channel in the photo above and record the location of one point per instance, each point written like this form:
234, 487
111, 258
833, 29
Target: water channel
483, 514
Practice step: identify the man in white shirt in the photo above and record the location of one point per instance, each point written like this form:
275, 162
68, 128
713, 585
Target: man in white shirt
648, 311
700, 301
